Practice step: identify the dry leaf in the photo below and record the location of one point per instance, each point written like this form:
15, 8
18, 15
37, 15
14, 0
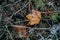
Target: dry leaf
21, 31
34, 18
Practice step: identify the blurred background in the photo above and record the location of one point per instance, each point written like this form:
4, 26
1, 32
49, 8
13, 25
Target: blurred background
29, 19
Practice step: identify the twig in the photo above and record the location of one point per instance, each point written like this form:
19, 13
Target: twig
30, 27
2, 34
7, 37
9, 32
19, 10
29, 5
0, 16
51, 12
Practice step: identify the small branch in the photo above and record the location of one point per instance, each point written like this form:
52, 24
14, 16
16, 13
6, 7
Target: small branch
19, 10
30, 27
51, 12
9, 32
29, 5
0, 16
2, 34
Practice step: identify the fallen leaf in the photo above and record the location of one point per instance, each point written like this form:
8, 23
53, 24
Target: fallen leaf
34, 18
21, 31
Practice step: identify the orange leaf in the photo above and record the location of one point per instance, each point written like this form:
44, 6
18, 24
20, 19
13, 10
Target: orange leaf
34, 18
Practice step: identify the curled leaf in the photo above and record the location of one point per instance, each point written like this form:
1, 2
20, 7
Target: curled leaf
34, 18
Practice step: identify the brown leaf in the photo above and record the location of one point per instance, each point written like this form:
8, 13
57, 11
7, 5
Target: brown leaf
21, 31
34, 18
